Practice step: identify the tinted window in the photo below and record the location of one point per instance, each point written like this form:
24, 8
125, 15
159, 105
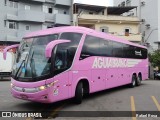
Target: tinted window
65, 52
117, 49
128, 51
140, 53
94, 46
90, 47
75, 37
144, 53
72, 46
134, 52
105, 48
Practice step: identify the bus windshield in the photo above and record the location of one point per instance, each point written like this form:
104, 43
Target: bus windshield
32, 65
31, 61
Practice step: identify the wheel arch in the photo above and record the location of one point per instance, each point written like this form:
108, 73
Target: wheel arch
86, 85
140, 74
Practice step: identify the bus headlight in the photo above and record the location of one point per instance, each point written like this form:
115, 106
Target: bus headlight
42, 87
12, 85
47, 86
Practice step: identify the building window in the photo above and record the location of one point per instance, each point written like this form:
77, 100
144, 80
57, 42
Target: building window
65, 12
128, 2
131, 14
127, 31
13, 3
50, 9
27, 27
91, 13
45, 9
27, 7
12, 25
102, 12
104, 29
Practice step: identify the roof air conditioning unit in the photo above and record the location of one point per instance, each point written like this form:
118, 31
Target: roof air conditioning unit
143, 3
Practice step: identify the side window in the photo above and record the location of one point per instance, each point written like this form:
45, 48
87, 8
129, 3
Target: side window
129, 51
126, 50
90, 47
144, 53
65, 52
117, 49
74, 37
105, 48
140, 53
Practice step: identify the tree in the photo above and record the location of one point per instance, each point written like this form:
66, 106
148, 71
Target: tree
154, 58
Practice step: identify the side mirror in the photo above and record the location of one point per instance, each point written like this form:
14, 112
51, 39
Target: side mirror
52, 44
8, 48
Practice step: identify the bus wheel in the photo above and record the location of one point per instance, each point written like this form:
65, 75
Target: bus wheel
138, 81
133, 84
79, 93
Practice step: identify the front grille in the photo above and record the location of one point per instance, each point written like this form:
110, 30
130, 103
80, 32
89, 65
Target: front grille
26, 90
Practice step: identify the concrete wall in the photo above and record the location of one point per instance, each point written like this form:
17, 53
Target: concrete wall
118, 30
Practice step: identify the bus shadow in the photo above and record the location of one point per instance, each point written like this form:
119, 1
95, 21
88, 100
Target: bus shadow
34, 106
110, 91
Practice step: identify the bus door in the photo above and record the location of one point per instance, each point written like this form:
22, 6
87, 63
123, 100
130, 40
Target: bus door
60, 66
98, 80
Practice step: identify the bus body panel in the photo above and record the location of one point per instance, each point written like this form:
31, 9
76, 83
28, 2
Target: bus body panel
60, 89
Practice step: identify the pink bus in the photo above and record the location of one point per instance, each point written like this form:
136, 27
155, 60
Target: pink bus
72, 62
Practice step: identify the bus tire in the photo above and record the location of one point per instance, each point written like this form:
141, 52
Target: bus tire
139, 80
79, 93
133, 83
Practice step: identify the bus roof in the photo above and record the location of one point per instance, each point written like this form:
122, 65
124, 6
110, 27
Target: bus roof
80, 30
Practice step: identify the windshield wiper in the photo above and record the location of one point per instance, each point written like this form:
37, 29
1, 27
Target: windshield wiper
23, 62
19, 69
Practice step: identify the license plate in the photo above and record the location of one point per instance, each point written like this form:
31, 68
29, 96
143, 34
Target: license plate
24, 96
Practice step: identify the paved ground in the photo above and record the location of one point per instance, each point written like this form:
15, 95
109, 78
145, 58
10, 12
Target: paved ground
143, 98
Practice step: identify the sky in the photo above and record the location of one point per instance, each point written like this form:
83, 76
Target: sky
96, 2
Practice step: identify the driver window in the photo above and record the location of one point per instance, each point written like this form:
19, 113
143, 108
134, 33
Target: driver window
61, 60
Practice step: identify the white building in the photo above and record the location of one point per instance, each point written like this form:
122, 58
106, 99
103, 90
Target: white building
148, 13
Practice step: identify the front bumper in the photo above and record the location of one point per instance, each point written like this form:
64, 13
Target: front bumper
40, 96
